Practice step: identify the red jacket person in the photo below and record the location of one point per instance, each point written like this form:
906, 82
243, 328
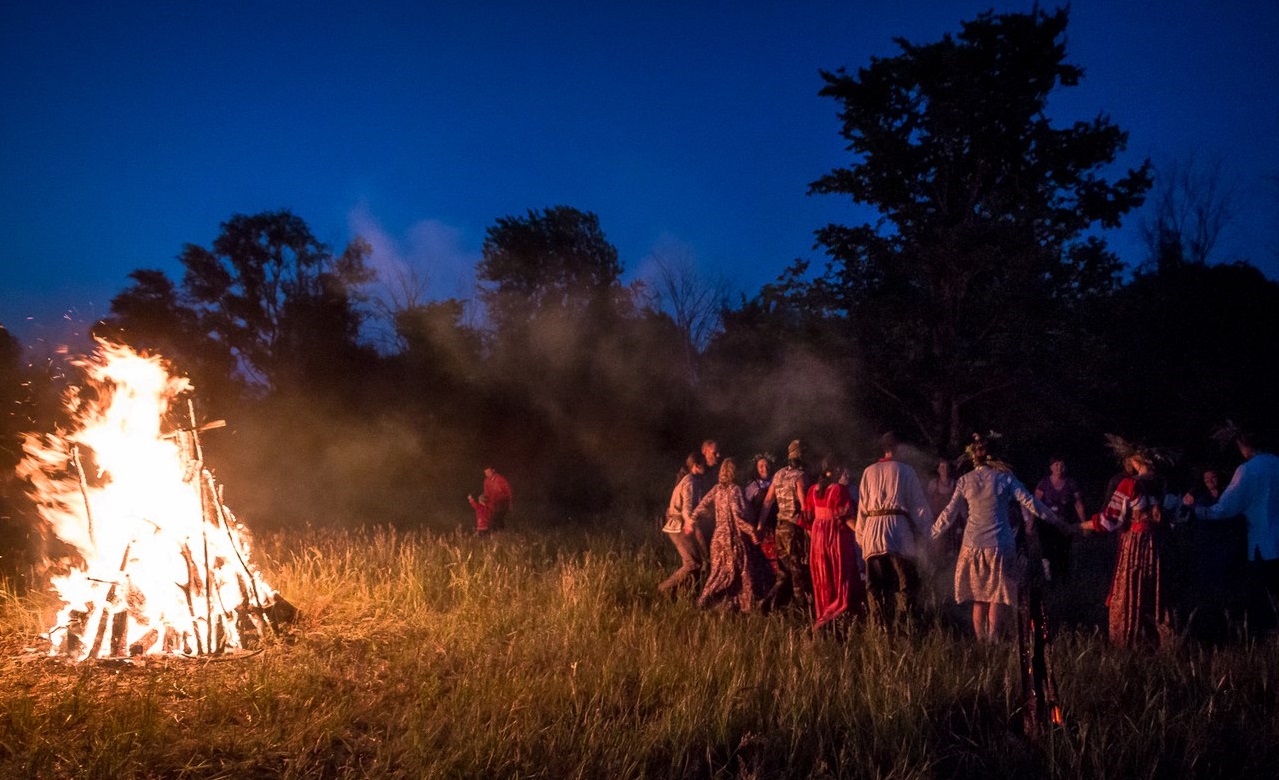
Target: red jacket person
500, 498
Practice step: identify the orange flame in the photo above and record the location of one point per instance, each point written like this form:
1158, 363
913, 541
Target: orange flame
161, 564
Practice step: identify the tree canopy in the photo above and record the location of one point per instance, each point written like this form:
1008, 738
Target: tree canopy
551, 262
986, 211
267, 293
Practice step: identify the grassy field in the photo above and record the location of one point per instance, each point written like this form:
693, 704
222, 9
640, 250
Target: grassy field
550, 655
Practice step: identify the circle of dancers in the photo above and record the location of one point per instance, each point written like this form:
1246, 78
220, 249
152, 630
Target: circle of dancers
752, 536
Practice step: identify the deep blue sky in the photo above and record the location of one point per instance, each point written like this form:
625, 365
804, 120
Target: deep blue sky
128, 129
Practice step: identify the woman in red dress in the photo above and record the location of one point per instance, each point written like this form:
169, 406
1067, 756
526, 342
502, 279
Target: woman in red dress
837, 582
1140, 509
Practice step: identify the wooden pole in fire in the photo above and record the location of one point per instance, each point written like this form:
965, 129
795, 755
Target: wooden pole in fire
226, 526
208, 580
193, 578
204, 525
84, 490
101, 630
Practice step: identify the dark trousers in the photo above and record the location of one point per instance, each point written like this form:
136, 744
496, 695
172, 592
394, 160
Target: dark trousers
1216, 588
1263, 596
1055, 546
793, 582
893, 582
498, 520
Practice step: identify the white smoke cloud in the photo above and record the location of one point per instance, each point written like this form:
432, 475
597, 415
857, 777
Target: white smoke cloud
429, 262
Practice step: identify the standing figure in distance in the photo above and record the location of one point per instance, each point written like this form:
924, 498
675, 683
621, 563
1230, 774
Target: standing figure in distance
500, 498
764, 514
941, 487
757, 490
483, 513
1218, 563
710, 451
1061, 494
939, 490
706, 481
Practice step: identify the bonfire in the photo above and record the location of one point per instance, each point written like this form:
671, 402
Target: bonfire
156, 563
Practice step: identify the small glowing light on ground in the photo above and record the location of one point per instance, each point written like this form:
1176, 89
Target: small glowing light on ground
159, 565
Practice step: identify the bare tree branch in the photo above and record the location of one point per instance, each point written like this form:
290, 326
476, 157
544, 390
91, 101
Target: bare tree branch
1189, 212
695, 302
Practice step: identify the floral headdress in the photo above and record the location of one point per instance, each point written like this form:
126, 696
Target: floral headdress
1125, 449
978, 450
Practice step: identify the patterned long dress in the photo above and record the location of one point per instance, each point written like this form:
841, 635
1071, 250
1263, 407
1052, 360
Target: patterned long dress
834, 556
1140, 614
740, 577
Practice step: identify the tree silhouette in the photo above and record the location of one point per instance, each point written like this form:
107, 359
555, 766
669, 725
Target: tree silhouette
581, 385
960, 290
150, 315
555, 262
1186, 342
267, 295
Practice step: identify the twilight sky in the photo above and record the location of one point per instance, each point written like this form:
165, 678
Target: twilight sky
128, 129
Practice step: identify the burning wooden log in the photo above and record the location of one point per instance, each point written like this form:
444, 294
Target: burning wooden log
144, 645
186, 586
107, 605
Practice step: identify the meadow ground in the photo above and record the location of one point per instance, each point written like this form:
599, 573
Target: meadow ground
549, 654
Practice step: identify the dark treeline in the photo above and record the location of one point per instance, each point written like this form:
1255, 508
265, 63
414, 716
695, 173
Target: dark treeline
983, 297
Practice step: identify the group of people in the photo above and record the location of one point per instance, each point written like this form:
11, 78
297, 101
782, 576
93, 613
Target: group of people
837, 550
842, 550
1142, 509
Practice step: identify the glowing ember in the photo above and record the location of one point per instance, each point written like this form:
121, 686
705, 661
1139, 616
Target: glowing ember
161, 565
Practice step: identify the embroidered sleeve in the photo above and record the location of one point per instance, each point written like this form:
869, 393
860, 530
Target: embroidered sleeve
1118, 508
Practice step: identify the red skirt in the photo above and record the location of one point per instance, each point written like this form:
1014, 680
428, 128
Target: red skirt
1139, 611
837, 580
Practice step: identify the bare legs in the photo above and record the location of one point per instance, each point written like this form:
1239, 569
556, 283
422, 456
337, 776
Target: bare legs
989, 620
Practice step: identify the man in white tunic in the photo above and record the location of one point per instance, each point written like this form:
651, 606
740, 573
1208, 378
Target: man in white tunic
893, 519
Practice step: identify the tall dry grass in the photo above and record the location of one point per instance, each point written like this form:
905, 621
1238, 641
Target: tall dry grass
550, 655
